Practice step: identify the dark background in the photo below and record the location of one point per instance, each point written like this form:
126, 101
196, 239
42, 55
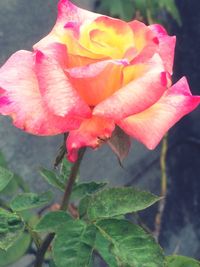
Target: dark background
23, 23
182, 213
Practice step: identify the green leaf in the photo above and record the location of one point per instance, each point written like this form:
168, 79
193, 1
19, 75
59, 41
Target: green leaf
11, 227
11, 188
80, 190
170, 6
3, 162
140, 5
104, 248
52, 178
118, 201
129, 10
181, 261
52, 264
131, 245
52, 221
12, 185
16, 251
21, 183
5, 177
65, 170
83, 206
72, 246
27, 201
117, 8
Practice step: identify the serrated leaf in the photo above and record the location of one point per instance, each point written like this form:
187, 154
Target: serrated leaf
27, 201
131, 245
104, 248
5, 177
72, 246
118, 201
11, 227
181, 261
52, 221
83, 189
52, 178
16, 251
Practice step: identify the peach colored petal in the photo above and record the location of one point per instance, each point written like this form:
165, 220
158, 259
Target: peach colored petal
59, 52
20, 98
166, 46
150, 125
56, 90
133, 71
137, 95
97, 81
80, 61
91, 133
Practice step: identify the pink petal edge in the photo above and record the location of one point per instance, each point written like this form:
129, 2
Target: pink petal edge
20, 98
56, 90
149, 126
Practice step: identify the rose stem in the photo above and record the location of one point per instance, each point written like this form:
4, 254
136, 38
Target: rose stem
64, 205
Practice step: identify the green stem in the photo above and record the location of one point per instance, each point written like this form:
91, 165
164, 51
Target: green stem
161, 204
72, 179
64, 205
36, 238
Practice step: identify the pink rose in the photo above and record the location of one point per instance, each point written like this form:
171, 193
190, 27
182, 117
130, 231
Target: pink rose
91, 73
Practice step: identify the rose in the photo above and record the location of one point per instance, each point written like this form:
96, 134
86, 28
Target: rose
91, 73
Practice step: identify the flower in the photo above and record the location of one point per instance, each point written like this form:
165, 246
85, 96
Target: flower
92, 73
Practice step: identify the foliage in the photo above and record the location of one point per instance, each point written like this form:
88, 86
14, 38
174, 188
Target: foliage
181, 261
145, 10
99, 228
16, 251
26, 201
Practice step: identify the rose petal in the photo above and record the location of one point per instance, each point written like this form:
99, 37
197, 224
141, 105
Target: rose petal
107, 36
91, 133
150, 125
94, 82
57, 92
59, 53
21, 99
166, 46
70, 17
137, 95
146, 42
66, 29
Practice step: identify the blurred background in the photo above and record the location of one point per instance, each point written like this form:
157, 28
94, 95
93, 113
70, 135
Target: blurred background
23, 23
